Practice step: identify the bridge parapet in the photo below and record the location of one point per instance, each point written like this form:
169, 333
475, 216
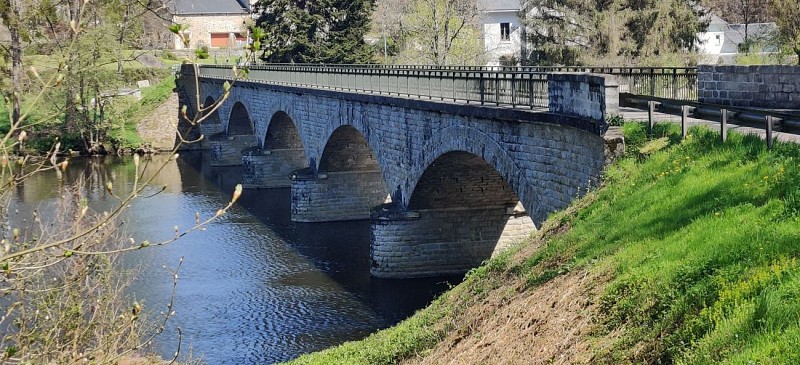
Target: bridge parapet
583, 95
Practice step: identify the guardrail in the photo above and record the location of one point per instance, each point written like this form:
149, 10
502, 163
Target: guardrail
678, 83
517, 89
501, 85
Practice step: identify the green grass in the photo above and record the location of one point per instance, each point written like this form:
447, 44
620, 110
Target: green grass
699, 240
134, 111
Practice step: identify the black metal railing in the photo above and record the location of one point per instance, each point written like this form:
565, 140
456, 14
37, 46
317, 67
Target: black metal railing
515, 89
517, 86
678, 83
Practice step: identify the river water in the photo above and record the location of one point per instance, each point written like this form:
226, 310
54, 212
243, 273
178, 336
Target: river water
254, 287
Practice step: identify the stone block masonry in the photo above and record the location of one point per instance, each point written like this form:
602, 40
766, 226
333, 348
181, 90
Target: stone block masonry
583, 95
443, 242
272, 169
367, 150
337, 196
774, 87
227, 151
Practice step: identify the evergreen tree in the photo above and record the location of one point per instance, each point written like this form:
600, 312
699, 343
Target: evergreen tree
314, 31
573, 32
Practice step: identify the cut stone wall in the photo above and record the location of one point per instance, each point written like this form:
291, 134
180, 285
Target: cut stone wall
227, 151
775, 87
442, 242
272, 169
337, 196
585, 95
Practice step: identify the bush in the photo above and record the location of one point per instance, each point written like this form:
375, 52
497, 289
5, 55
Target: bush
202, 53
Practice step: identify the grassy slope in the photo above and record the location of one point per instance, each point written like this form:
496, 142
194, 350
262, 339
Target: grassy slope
136, 110
699, 242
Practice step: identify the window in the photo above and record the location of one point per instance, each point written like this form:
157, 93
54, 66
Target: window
719, 39
505, 31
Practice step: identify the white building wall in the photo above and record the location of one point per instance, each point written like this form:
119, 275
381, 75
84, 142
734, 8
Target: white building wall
493, 44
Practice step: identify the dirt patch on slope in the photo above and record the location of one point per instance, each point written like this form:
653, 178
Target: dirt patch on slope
158, 129
548, 324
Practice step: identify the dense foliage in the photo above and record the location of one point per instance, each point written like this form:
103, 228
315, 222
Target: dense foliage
314, 31
609, 31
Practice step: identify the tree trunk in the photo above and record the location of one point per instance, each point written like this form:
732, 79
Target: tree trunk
16, 60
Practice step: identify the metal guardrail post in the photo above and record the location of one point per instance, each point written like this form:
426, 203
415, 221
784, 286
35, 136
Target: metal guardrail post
684, 120
651, 106
769, 122
723, 131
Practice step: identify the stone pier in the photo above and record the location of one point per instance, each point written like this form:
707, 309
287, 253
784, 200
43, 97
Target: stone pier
442, 242
336, 196
271, 169
227, 151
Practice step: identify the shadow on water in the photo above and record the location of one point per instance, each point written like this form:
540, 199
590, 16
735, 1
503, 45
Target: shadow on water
340, 249
254, 287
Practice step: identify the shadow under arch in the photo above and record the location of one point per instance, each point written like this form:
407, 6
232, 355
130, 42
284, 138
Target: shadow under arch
239, 122
461, 209
213, 117
347, 184
283, 152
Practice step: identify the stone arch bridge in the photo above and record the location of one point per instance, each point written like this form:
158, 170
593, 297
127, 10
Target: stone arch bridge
444, 183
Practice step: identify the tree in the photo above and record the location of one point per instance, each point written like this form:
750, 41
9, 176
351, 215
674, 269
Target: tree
787, 18
588, 31
314, 31
557, 31
11, 15
441, 32
743, 12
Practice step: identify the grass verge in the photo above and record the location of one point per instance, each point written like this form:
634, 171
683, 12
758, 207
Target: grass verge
698, 241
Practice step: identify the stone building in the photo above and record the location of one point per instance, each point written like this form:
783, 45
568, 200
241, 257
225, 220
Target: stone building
212, 23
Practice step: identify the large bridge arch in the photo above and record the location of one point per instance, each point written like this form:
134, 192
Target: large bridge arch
349, 174
239, 121
282, 152
464, 204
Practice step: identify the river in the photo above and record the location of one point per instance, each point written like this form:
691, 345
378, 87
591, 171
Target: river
254, 287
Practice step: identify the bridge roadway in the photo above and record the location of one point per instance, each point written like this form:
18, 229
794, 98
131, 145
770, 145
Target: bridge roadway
445, 184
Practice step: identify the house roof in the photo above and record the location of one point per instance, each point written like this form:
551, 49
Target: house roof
498, 5
760, 32
195, 7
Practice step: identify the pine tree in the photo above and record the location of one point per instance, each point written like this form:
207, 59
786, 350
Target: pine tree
572, 32
314, 31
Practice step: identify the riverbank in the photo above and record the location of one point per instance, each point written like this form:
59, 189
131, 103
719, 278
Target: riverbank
687, 254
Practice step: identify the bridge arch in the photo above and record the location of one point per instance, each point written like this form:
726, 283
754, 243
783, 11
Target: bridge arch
349, 175
239, 122
473, 142
282, 153
282, 133
213, 117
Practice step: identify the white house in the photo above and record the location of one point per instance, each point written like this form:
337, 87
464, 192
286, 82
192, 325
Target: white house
719, 44
212, 23
502, 31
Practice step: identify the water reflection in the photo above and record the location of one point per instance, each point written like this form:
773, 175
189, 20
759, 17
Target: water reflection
254, 287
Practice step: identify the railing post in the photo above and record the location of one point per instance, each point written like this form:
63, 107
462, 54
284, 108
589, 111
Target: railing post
674, 83
530, 91
723, 129
651, 106
769, 122
481, 88
497, 88
684, 121
652, 82
513, 92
